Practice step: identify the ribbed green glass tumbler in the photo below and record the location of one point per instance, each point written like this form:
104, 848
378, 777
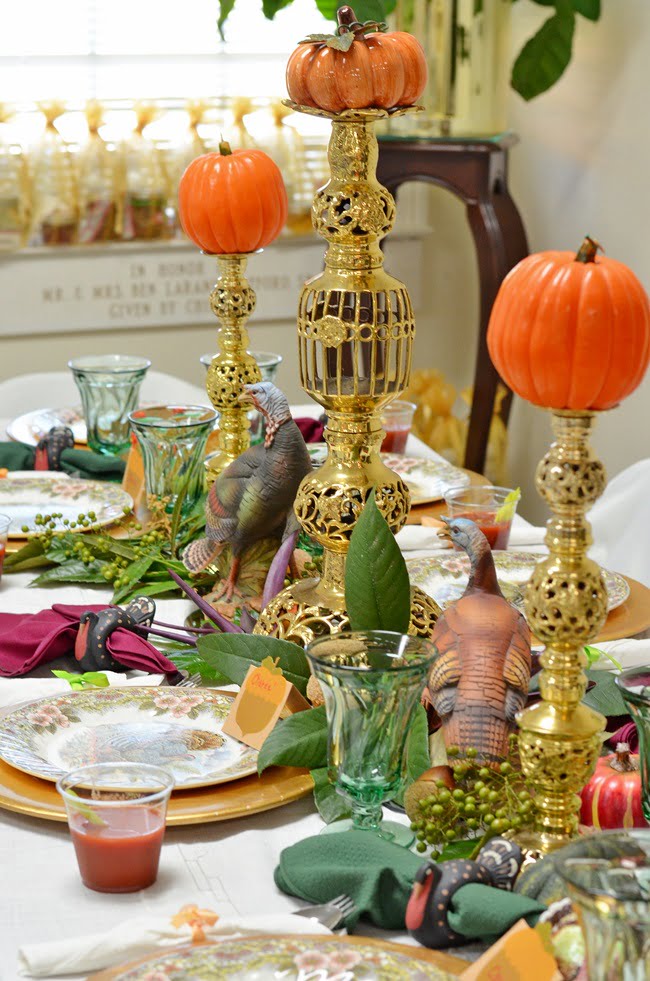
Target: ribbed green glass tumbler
172, 441
372, 682
109, 385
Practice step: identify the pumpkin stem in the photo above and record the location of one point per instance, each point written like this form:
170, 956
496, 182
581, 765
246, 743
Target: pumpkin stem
346, 16
224, 148
588, 250
623, 762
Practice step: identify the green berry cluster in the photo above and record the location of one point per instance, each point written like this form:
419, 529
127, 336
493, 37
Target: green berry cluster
482, 801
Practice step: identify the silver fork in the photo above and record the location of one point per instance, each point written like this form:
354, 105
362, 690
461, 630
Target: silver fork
332, 915
192, 681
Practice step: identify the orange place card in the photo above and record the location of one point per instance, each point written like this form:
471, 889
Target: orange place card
258, 704
520, 955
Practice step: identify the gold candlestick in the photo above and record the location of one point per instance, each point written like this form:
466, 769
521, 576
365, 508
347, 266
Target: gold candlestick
232, 301
566, 606
355, 334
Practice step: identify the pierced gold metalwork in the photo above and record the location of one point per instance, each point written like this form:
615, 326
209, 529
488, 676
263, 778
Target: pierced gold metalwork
355, 336
566, 606
232, 301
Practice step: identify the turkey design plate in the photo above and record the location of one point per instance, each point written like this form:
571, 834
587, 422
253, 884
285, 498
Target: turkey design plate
32, 426
292, 958
176, 728
444, 578
427, 480
23, 498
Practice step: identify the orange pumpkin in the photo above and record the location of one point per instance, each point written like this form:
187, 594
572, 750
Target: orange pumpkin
612, 798
571, 331
232, 202
355, 69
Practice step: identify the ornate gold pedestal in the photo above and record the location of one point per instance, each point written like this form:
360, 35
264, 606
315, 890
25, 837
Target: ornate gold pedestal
355, 333
566, 605
232, 301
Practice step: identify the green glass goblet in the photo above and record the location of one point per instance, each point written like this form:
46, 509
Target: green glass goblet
612, 899
372, 682
634, 685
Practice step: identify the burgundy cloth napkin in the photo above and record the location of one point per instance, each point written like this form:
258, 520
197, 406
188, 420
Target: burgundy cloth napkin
311, 429
30, 639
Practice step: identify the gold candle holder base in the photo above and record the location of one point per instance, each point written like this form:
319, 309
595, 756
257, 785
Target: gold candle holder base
232, 301
566, 606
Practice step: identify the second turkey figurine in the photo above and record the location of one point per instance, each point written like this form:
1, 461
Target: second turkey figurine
480, 680
253, 497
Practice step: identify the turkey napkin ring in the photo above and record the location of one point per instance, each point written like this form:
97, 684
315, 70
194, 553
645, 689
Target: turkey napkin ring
50, 448
91, 646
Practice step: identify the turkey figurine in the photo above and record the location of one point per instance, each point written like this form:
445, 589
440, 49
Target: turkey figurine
480, 679
253, 497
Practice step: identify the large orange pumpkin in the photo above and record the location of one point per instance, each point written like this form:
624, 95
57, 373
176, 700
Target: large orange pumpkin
571, 331
232, 202
355, 69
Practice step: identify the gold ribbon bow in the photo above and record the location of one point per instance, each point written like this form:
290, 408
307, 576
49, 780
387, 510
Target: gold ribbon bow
196, 919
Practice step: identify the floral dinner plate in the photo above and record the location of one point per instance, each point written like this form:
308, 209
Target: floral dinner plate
176, 728
290, 958
445, 577
427, 480
25, 497
32, 426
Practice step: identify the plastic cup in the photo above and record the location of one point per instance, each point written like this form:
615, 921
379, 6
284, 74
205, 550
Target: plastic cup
396, 421
116, 816
481, 504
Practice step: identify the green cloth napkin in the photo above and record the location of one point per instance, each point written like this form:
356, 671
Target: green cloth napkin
378, 876
77, 463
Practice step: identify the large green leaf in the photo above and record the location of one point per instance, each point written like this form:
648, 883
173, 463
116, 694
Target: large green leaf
233, 654
364, 9
71, 572
225, 9
300, 740
331, 806
545, 56
377, 589
271, 7
193, 663
134, 574
588, 8
606, 696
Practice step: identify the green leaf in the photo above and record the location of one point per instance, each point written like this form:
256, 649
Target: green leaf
377, 588
26, 557
175, 522
233, 654
545, 56
71, 572
588, 8
89, 679
605, 697
416, 752
461, 848
193, 663
364, 9
225, 9
271, 7
300, 740
331, 806
134, 573
593, 654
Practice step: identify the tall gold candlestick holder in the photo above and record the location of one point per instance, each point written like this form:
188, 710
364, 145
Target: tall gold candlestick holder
566, 606
355, 335
232, 301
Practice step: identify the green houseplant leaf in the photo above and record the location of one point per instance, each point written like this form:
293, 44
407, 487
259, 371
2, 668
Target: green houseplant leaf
588, 8
331, 806
377, 588
299, 740
232, 655
605, 696
545, 56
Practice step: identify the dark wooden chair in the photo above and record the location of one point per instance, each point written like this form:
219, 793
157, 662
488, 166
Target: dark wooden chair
476, 171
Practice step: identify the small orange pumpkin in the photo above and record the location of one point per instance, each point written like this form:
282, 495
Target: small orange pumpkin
360, 67
571, 331
232, 202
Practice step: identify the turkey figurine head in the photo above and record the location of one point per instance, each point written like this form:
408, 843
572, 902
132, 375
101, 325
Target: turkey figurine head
271, 402
468, 537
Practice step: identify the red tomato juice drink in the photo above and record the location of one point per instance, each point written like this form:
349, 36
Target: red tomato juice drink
490, 508
116, 815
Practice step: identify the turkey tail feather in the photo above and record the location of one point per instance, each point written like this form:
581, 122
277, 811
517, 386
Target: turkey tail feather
198, 555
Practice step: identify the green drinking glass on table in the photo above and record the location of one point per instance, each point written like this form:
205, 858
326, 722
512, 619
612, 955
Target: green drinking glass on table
109, 386
372, 682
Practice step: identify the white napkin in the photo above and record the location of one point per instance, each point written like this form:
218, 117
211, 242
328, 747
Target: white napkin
19, 691
417, 538
144, 935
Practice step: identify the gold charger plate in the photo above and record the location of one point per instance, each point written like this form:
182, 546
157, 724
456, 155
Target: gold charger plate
389, 959
24, 794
